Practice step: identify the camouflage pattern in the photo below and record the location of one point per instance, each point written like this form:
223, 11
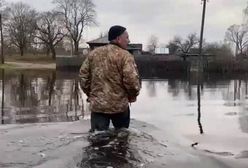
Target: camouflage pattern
109, 78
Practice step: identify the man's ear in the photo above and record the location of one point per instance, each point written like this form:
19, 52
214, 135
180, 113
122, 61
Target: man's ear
118, 39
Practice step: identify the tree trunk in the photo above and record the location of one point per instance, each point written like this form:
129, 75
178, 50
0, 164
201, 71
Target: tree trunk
22, 51
48, 51
76, 47
236, 50
53, 52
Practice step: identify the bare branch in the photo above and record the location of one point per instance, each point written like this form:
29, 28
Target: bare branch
20, 25
178, 45
50, 30
77, 14
238, 35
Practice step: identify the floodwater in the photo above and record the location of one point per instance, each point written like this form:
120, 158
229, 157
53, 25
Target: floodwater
38, 96
213, 114
110, 149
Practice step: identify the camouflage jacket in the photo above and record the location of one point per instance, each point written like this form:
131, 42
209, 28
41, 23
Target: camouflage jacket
109, 77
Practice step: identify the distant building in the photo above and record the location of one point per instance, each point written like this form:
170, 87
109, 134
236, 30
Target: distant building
135, 49
98, 42
161, 50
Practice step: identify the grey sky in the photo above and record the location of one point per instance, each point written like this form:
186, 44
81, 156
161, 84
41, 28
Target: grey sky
163, 18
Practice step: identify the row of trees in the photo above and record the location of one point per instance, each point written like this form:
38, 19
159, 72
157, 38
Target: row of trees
183, 46
237, 35
190, 45
25, 28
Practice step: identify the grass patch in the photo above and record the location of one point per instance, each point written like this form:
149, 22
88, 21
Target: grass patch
38, 58
7, 66
27, 72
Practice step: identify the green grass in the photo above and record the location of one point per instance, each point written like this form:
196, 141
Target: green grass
7, 66
38, 58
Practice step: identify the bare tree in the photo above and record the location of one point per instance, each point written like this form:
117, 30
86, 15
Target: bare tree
78, 14
238, 34
183, 46
152, 43
219, 50
173, 48
20, 25
49, 30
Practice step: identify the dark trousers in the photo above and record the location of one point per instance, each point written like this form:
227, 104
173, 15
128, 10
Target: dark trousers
101, 121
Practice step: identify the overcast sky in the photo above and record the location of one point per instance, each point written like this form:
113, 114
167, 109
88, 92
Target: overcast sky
163, 18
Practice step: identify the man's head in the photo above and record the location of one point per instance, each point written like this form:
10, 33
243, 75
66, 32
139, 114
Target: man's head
118, 35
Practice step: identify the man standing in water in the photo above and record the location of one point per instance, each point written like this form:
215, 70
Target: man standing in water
110, 79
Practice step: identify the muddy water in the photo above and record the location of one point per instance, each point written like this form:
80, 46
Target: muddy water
214, 115
121, 149
109, 149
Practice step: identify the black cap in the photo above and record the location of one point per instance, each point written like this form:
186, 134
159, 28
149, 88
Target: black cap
115, 31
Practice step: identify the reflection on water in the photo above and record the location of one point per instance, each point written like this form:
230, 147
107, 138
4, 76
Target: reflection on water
2, 95
38, 96
199, 107
243, 117
195, 106
49, 96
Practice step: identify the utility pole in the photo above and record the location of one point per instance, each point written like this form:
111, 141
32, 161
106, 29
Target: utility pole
200, 60
1, 31
200, 68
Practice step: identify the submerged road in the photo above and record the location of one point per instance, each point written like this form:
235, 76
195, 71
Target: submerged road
68, 145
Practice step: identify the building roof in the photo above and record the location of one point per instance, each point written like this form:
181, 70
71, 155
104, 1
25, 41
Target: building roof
101, 40
104, 40
135, 46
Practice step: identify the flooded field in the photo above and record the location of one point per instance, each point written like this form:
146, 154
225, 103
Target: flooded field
38, 96
214, 118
